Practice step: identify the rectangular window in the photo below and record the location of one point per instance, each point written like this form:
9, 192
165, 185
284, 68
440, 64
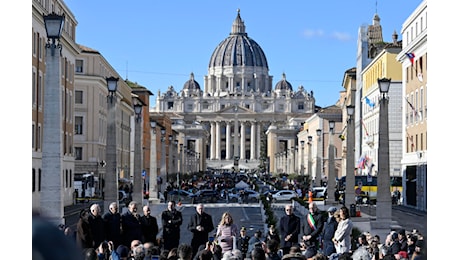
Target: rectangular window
78, 153
39, 139
34, 97
78, 125
189, 107
39, 91
79, 66
78, 97
170, 105
300, 106
281, 107
33, 136
33, 180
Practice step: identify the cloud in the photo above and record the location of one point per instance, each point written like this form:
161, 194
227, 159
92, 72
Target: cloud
313, 33
318, 33
341, 36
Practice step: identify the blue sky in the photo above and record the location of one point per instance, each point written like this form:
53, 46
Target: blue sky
159, 43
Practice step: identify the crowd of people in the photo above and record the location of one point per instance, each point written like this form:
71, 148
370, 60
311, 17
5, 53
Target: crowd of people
133, 235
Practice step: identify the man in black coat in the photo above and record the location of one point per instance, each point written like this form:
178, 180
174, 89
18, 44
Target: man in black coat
171, 220
200, 225
149, 226
289, 229
330, 225
96, 224
131, 225
312, 230
112, 223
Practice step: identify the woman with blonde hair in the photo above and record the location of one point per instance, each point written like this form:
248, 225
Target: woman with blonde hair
227, 231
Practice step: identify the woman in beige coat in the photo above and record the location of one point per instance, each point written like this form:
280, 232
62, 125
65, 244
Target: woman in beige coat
342, 235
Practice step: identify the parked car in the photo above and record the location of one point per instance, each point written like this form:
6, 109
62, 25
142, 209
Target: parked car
320, 192
124, 198
283, 195
180, 195
206, 195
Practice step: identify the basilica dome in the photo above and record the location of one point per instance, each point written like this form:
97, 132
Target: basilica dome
238, 49
191, 84
283, 84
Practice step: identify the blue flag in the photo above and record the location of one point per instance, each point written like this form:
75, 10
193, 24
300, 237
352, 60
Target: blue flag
369, 102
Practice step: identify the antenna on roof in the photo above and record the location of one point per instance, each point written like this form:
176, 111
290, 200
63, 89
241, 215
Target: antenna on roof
375, 6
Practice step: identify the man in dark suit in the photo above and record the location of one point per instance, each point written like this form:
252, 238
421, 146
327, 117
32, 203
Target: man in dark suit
149, 226
289, 229
131, 224
171, 220
312, 230
200, 225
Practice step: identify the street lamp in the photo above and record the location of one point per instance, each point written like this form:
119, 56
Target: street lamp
153, 189
331, 164
53, 27
51, 199
138, 111
318, 159
383, 210
350, 174
138, 188
310, 139
111, 174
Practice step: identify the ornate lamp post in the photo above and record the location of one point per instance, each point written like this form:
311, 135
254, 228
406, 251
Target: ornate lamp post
350, 174
110, 191
153, 189
310, 139
318, 159
138, 158
383, 210
51, 199
331, 165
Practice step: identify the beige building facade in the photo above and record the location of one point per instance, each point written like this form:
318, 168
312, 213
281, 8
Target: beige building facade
238, 116
414, 110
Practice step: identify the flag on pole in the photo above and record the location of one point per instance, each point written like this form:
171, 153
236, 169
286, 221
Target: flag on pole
411, 57
414, 111
369, 102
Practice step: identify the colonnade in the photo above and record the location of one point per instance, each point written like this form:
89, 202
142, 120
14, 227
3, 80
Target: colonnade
238, 145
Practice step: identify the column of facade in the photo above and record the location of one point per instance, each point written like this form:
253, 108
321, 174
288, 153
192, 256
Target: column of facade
258, 126
228, 141
243, 141
217, 129
235, 137
213, 143
253, 140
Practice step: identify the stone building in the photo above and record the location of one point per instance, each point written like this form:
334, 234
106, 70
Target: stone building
237, 114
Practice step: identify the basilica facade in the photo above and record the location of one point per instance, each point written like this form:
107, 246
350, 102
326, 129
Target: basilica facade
237, 120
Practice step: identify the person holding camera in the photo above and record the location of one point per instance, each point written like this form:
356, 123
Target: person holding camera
200, 225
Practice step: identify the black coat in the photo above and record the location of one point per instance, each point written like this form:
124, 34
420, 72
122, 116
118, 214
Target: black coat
289, 225
112, 223
149, 229
200, 237
313, 232
171, 221
97, 229
131, 228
